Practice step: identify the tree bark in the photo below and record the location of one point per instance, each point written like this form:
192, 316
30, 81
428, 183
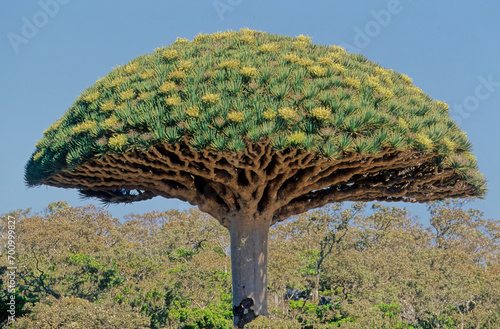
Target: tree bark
249, 237
316, 286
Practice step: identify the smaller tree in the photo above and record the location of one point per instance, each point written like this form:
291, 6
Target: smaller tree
320, 232
455, 227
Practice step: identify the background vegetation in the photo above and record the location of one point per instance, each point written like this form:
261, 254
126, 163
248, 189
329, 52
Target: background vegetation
346, 267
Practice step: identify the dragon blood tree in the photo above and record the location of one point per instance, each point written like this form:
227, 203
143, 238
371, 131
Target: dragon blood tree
253, 128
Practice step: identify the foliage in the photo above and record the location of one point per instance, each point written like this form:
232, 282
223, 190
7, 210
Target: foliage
73, 312
336, 267
260, 86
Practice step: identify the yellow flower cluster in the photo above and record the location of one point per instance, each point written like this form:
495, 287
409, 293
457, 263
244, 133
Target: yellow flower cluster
146, 94
173, 100
249, 71
177, 74
247, 38
118, 141
330, 62
352, 82
38, 155
303, 38
338, 57
110, 122
148, 74
247, 31
269, 114
385, 92
389, 82
236, 116
84, 126
185, 65
382, 72
181, 41
425, 141
211, 98
131, 68
116, 82
300, 44
221, 35
327, 61
374, 82
170, 54
321, 113
214, 36
338, 68
269, 47
297, 137
200, 37
229, 64
337, 48
442, 105
413, 90
385, 75
406, 78
292, 58
92, 97
167, 86
121, 106
449, 145
317, 70
108, 105
402, 123
305, 62
193, 111
127, 94
287, 113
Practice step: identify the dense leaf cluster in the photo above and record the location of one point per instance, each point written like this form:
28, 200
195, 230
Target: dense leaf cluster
221, 91
339, 267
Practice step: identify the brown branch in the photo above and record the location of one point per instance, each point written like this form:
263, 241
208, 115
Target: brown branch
435, 189
260, 181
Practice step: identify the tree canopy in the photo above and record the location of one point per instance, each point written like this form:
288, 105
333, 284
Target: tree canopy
82, 268
224, 101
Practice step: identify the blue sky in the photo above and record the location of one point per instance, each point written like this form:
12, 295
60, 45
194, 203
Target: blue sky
51, 50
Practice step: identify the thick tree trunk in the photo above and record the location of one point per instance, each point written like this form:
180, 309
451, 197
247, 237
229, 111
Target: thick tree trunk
316, 286
249, 238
